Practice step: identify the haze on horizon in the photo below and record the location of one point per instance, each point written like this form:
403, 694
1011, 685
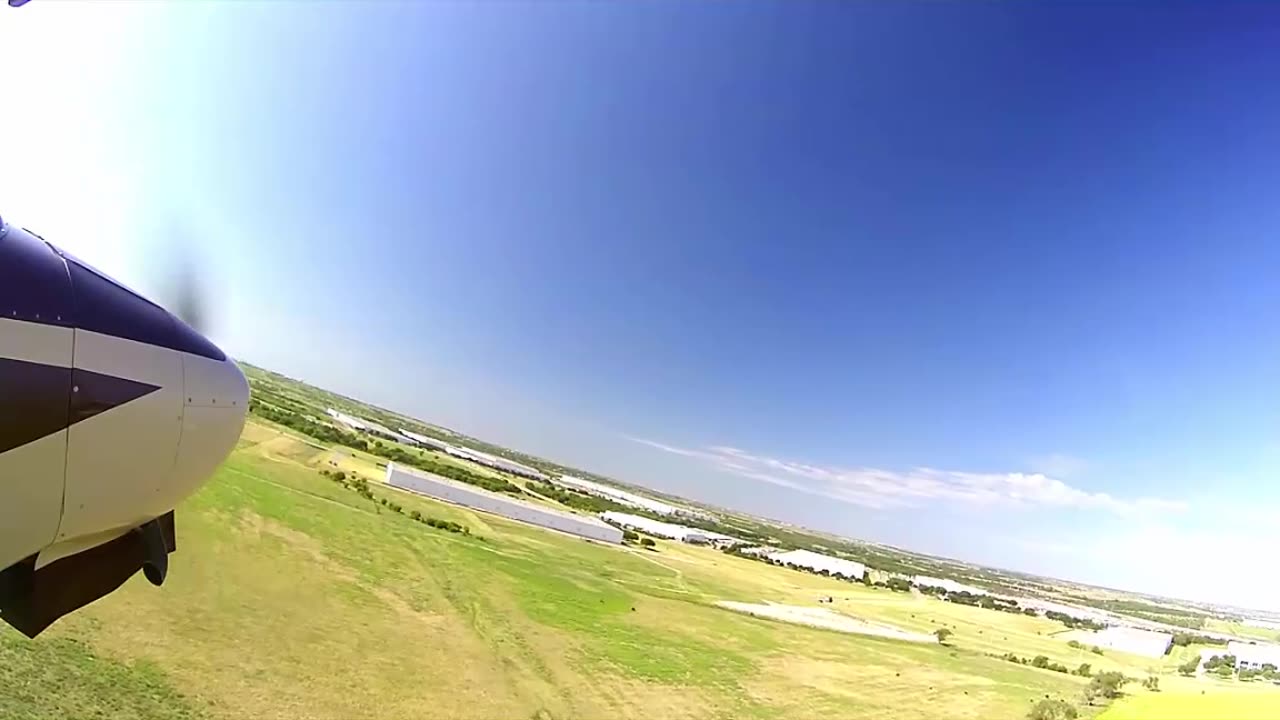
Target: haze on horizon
989, 281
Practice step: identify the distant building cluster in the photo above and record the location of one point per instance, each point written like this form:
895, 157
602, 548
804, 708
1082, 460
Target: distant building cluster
623, 497
495, 462
424, 440
368, 426
670, 531
440, 488
817, 562
412, 438
475, 456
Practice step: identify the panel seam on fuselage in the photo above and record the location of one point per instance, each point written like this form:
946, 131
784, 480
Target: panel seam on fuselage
66, 448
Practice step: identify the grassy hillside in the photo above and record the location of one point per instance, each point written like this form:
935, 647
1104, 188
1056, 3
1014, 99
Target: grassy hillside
1242, 630
292, 597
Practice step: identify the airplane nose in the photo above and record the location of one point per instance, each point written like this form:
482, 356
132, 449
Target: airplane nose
215, 403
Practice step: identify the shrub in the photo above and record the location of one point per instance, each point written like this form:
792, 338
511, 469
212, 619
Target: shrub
648, 542
942, 634
1053, 710
1085, 670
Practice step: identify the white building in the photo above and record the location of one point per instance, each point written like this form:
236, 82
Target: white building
345, 419
671, 531
817, 562
1078, 611
475, 456
366, 426
1131, 640
948, 585
424, 440
623, 497
492, 461
1253, 657
470, 496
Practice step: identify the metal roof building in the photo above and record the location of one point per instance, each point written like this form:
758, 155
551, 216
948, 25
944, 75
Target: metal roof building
818, 562
1132, 640
665, 529
470, 496
425, 440
948, 585
1253, 657
628, 498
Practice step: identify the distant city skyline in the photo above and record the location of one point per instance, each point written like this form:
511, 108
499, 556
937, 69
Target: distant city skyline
928, 275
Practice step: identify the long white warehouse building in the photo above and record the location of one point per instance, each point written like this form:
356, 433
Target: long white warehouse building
1253, 656
627, 498
470, 496
818, 562
1132, 640
667, 530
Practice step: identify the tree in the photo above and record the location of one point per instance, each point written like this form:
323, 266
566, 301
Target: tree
1095, 650
1052, 710
1074, 644
648, 542
1085, 670
899, 584
1152, 683
1040, 661
1188, 668
942, 634
1104, 685
630, 535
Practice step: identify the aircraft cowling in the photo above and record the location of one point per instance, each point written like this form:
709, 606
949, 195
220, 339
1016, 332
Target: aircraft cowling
112, 411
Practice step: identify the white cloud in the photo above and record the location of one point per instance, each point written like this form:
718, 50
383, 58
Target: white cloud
1059, 465
1212, 564
880, 489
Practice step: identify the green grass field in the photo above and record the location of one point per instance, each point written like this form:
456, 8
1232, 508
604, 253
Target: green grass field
1242, 630
291, 597
1237, 703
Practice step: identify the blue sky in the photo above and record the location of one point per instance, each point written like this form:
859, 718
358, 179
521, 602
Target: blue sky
989, 280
